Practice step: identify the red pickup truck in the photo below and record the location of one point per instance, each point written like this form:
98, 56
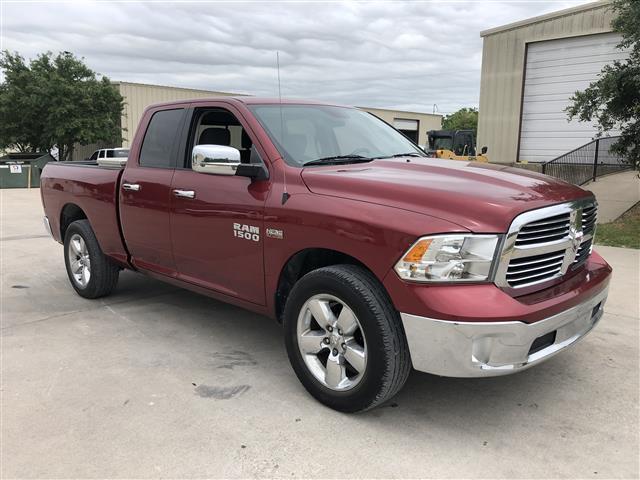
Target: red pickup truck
374, 258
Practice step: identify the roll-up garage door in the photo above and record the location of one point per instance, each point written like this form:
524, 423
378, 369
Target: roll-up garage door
555, 70
408, 127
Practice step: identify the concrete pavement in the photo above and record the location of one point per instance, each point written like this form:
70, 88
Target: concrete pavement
616, 194
154, 381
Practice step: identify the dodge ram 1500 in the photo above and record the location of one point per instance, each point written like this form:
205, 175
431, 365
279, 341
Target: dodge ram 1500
374, 258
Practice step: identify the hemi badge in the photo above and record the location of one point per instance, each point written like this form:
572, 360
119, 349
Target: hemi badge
275, 233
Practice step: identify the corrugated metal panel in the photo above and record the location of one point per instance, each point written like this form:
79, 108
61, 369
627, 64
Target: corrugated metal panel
555, 70
547, 16
83, 152
139, 96
404, 124
426, 121
502, 77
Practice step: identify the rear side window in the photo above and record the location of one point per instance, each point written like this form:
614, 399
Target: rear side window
157, 146
117, 153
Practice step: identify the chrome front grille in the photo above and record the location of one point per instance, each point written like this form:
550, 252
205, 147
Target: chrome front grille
583, 253
525, 270
543, 244
589, 217
547, 230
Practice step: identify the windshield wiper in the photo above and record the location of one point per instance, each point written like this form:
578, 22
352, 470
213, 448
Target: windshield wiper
409, 154
338, 159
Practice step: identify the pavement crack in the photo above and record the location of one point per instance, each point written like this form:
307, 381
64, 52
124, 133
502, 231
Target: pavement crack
22, 237
125, 318
55, 380
102, 305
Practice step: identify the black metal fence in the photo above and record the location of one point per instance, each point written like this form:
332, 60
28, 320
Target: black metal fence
587, 162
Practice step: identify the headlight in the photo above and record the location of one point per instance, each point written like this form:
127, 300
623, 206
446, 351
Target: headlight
449, 258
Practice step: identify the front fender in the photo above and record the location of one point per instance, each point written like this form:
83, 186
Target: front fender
375, 235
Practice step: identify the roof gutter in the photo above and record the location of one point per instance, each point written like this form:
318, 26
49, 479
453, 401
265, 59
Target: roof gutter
548, 16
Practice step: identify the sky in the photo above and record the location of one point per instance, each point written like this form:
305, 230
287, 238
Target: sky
401, 55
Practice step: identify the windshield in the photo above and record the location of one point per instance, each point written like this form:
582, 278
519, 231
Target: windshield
443, 143
320, 132
117, 153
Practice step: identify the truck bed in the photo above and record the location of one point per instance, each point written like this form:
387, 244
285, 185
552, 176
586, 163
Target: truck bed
111, 163
92, 188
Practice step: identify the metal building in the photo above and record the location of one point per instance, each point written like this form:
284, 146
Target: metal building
530, 69
414, 125
138, 96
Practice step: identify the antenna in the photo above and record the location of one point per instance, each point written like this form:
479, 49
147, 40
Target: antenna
285, 194
278, 67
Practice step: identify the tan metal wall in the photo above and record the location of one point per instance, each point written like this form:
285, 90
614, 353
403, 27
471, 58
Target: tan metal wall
82, 152
138, 96
503, 60
427, 121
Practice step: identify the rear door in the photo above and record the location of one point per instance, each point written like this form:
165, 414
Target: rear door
217, 223
145, 191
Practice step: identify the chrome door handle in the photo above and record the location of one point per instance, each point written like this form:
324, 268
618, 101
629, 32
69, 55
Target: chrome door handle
132, 187
184, 193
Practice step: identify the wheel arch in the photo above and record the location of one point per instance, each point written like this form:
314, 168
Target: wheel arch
303, 262
69, 214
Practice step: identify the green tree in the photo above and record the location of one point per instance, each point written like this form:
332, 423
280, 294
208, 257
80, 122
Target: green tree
56, 102
613, 101
463, 119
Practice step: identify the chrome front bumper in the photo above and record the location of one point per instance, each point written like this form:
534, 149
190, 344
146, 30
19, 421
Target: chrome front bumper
487, 349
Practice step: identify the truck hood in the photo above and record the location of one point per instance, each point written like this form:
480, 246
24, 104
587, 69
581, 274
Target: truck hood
477, 196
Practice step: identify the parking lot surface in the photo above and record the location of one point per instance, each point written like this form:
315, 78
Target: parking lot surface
154, 381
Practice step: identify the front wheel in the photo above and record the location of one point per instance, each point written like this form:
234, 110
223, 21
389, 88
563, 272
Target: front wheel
91, 273
344, 338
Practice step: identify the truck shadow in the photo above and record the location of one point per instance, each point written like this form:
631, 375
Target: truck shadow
216, 337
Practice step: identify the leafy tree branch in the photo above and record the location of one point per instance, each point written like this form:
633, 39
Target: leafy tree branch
56, 101
463, 119
613, 101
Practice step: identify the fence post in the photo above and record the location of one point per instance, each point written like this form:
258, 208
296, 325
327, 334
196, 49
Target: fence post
595, 159
544, 168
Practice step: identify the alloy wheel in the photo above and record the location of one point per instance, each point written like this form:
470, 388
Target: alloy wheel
79, 261
332, 343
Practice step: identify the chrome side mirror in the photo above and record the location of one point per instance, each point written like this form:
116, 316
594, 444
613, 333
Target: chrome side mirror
215, 159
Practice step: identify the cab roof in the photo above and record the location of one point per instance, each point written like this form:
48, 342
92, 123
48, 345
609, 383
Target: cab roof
246, 100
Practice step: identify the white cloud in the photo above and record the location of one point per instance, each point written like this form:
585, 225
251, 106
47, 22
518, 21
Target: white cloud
407, 55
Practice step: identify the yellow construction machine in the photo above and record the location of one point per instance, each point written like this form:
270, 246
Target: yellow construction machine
455, 145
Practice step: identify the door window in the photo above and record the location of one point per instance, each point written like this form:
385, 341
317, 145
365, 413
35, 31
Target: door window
159, 140
217, 126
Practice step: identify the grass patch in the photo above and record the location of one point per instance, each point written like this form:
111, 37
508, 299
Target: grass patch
623, 232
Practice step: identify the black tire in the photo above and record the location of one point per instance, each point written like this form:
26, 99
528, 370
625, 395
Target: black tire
388, 360
104, 273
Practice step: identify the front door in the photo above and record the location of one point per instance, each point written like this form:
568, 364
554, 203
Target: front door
217, 224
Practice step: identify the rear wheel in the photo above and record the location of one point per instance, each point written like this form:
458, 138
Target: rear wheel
344, 338
91, 273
